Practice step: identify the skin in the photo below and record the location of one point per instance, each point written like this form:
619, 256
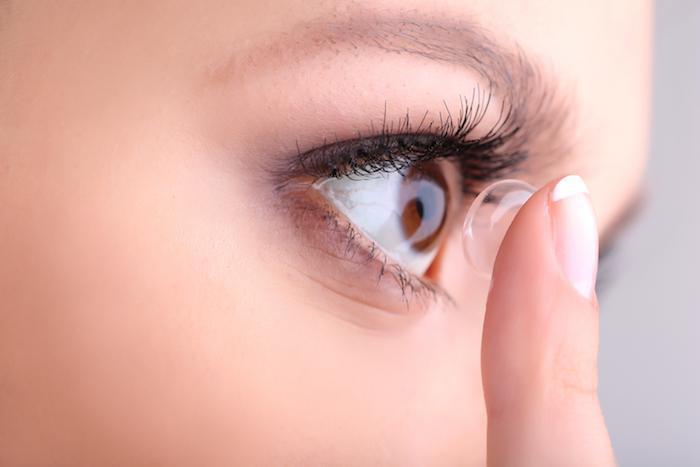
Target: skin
159, 305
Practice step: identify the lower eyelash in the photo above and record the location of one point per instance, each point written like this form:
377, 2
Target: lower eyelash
411, 286
358, 247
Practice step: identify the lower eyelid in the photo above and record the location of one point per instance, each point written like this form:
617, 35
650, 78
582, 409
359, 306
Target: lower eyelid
356, 259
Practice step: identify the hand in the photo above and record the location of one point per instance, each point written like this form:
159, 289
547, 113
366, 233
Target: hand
540, 338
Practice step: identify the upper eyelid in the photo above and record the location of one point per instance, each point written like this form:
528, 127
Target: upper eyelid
495, 153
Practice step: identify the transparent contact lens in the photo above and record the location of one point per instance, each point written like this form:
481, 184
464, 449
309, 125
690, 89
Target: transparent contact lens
488, 220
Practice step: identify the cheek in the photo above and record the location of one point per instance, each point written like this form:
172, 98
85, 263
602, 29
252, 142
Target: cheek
323, 388
120, 327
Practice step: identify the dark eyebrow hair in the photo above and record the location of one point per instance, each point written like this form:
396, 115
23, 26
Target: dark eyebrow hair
463, 43
539, 115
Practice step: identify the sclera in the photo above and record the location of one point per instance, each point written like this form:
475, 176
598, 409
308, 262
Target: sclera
488, 219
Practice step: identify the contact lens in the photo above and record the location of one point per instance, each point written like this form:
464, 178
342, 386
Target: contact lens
488, 220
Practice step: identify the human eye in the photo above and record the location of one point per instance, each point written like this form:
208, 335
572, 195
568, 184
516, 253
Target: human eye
381, 205
403, 212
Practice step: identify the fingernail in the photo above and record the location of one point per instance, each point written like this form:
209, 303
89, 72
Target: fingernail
575, 233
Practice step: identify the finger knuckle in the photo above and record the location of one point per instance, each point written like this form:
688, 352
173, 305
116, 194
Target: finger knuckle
575, 373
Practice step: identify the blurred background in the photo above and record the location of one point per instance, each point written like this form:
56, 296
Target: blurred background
650, 321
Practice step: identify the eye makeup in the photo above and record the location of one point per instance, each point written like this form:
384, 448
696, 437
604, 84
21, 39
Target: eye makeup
480, 112
399, 145
472, 154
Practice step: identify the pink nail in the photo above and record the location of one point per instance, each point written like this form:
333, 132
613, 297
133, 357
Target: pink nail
575, 233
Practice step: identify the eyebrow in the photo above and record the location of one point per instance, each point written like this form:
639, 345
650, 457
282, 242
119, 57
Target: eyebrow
540, 116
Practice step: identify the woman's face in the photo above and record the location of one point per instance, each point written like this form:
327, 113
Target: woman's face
196, 265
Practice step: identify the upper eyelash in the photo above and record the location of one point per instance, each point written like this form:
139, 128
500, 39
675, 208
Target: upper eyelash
400, 145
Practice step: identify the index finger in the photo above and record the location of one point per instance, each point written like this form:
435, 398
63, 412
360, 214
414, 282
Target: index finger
540, 336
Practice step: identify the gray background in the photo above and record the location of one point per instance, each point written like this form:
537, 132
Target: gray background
650, 321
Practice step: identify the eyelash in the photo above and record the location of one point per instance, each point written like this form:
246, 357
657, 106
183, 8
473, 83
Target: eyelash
399, 146
366, 251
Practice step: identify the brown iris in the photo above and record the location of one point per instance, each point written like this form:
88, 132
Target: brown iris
424, 199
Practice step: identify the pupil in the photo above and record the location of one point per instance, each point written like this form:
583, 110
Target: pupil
419, 208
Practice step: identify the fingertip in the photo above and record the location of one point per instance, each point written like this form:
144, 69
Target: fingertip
575, 233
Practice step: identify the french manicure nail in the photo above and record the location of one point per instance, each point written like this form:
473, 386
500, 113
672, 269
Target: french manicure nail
575, 233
